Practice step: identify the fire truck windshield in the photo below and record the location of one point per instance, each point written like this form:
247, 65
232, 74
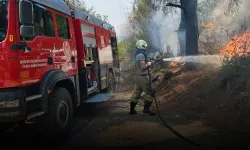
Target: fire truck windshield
3, 19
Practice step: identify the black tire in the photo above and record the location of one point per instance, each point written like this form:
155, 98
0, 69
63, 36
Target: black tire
60, 111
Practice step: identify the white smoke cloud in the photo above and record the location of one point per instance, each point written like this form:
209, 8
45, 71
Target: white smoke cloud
162, 30
224, 26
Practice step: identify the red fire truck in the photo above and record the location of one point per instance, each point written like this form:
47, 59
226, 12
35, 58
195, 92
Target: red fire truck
52, 59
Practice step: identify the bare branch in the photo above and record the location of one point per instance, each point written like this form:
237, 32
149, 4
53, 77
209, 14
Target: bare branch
175, 5
233, 7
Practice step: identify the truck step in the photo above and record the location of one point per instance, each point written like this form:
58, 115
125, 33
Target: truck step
36, 114
30, 98
102, 97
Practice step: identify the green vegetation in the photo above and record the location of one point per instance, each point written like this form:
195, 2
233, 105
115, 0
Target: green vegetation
143, 10
235, 66
137, 22
122, 50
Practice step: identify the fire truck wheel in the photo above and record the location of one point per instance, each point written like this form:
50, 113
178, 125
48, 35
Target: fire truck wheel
60, 110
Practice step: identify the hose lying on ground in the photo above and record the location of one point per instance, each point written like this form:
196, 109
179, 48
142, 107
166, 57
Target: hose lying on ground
160, 117
170, 128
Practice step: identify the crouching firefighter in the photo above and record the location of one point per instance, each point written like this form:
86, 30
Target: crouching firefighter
141, 80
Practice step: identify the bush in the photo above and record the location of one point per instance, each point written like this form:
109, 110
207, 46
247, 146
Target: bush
235, 69
235, 65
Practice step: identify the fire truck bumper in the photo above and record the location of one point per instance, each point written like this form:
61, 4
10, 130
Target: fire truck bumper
12, 105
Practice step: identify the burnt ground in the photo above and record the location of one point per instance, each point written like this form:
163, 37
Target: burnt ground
115, 128
193, 103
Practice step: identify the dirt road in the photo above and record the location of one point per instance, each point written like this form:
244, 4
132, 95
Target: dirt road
187, 106
109, 125
113, 127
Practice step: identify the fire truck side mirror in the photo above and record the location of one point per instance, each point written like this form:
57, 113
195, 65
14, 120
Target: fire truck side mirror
26, 18
26, 14
27, 31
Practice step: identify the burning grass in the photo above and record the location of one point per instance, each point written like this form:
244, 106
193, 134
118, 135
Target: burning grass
208, 26
238, 46
236, 63
218, 97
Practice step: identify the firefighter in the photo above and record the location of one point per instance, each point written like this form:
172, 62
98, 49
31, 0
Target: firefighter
141, 80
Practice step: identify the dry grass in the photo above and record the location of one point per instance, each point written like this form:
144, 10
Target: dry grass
200, 93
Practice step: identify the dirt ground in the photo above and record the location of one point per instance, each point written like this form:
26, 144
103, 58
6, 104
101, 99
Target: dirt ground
196, 104
113, 127
193, 103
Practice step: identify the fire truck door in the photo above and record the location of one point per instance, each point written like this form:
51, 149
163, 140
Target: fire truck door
91, 50
65, 55
38, 60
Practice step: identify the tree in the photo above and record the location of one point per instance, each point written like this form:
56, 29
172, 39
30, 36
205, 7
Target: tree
188, 32
233, 7
191, 26
190, 22
138, 20
80, 4
182, 34
214, 31
122, 50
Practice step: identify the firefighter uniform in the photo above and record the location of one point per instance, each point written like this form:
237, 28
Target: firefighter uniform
141, 81
140, 87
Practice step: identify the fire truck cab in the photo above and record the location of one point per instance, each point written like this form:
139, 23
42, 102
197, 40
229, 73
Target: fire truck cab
52, 59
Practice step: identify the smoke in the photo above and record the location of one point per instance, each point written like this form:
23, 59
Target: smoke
226, 26
162, 28
231, 22
162, 31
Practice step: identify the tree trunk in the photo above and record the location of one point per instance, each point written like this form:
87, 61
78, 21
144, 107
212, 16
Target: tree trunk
190, 8
182, 35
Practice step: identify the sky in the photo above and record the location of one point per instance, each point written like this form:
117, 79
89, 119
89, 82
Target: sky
115, 9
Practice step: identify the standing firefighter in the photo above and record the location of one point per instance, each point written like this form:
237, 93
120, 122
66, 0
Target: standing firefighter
141, 79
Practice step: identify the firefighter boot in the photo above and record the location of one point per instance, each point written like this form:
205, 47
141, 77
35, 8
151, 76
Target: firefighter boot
132, 108
147, 110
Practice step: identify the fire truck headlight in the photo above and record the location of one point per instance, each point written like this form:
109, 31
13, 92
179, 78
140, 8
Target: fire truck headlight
9, 104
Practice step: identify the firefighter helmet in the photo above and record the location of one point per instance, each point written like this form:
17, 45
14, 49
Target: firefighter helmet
141, 44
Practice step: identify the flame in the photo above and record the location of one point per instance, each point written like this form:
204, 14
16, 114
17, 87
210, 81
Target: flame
238, 45
209, 25
172, 64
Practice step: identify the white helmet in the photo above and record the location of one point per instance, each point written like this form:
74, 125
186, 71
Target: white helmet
141, 44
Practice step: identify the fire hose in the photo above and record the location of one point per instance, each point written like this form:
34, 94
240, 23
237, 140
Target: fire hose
152, 91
